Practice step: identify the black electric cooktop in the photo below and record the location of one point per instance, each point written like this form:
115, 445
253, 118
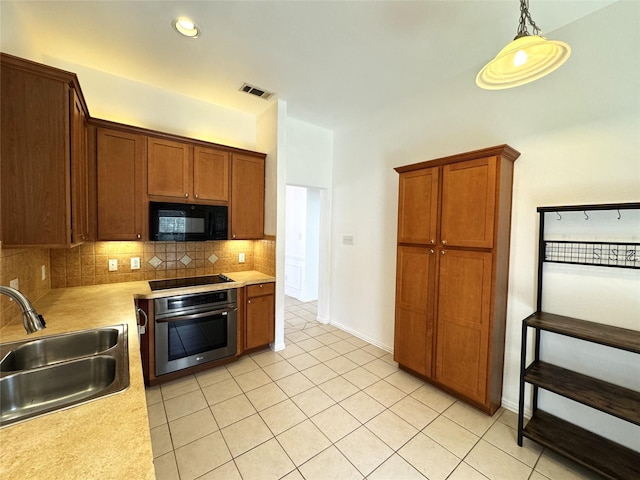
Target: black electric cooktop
187, 282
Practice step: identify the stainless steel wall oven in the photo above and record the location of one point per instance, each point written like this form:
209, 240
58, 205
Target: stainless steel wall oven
195, 328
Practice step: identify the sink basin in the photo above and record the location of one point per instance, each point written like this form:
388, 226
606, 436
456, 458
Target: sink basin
61, 371
58, 348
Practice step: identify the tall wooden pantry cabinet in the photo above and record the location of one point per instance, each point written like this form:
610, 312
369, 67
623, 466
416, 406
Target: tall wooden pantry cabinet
454, 219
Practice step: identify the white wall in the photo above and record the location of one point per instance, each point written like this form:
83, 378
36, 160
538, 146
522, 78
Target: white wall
578, 132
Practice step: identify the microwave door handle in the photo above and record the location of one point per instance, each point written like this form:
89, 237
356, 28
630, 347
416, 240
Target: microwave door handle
193, 316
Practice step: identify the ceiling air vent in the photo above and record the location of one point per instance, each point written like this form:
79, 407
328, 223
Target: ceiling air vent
258, 92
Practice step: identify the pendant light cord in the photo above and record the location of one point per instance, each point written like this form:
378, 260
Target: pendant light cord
524, 17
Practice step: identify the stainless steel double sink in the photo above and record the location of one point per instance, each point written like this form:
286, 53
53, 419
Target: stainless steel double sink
60, 371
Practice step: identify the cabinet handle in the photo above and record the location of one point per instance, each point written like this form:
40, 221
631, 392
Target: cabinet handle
444, 242
186, 195
248, 301
432, 251
441, 252
196, 195
139, 236
432, 242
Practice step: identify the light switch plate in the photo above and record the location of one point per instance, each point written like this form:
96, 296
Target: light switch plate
135, 263
113, 265
241, 258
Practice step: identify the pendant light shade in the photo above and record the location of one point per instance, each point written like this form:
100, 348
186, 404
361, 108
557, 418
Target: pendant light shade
525, 59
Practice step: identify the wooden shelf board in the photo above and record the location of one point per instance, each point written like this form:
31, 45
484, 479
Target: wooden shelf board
604, 396
622, 338
586, 448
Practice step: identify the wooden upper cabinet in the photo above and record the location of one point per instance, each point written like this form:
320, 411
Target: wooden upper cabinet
122, 209
418, 206
247, 197
169, 168
210, 174
468, 203
41, 136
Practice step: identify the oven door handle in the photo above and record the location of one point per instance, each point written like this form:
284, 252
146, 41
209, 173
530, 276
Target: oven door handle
179, 318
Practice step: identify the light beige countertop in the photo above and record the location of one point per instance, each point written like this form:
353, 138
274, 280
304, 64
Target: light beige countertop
106, 438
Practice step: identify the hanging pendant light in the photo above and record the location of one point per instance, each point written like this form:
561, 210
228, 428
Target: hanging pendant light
525, 59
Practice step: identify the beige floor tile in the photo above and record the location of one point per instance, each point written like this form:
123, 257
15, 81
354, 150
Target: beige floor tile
165, 467
537, 476
265, 462
362, 406
221, 391
465, 472
506, 439
470, 418
299, 336
358, 342
179, 387
391, 429
156, 414
414, 412
329, 465
242, 436
343, 347
153, 394
313, 401
309, 345
291, 350
232, 410
192, 427
380, 368
201, 456
324, 353
266, 396
360, 357
266, 357
342, 334
404, 381
375, 351
319, 374
361, 378
364, 450
385, 393
557, 467
341, 365
396, 468
313, 331
303, 442
228, 471
294, 475
185, 404
213, 376
451, 436
303, 361
510, 419
338, 388
252, 380
279, 370
282, 416
161, 440
496, 464
389, 359
328, 338
433, 398
430, 459
294, 384
335, 422
242, 365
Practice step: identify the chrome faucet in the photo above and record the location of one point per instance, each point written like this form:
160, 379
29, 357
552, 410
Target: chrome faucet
31, 320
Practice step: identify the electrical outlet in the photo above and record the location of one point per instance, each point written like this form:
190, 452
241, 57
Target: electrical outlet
135, 263
241, 258
113, 265
44, 272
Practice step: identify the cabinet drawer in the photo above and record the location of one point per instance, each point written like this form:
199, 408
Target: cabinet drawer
260, 289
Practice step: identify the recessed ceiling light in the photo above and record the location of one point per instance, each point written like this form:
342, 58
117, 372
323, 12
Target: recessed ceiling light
186, 27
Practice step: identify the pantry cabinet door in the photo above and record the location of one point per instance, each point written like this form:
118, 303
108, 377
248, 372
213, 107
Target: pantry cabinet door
468, 203
463, 325
418, 206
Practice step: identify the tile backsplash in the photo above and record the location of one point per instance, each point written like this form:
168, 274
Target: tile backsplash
88, 264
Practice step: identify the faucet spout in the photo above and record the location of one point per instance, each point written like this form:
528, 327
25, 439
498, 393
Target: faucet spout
30, 319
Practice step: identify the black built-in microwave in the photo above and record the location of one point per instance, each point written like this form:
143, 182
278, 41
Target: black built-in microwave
183, 222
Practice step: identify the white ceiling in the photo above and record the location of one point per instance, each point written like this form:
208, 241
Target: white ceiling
332, 61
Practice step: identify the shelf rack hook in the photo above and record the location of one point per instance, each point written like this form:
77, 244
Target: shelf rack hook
619, 216
586, 217
559, 216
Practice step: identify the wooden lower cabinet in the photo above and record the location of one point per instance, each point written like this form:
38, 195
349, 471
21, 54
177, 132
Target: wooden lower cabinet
260, 315
463, 322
